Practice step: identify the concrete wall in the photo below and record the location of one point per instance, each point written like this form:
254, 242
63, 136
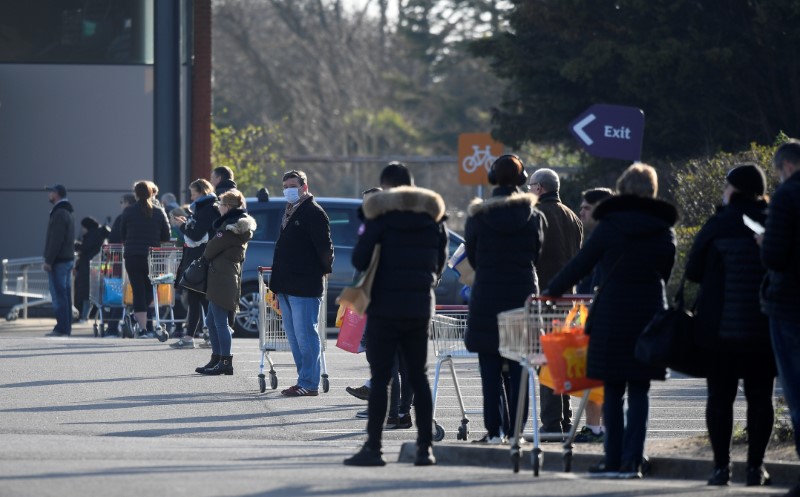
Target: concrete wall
87, 127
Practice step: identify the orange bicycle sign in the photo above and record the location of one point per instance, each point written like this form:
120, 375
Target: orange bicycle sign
476, 153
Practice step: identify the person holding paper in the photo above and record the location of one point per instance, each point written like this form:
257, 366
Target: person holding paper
725, 260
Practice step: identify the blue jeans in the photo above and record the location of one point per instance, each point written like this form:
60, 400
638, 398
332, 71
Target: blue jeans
60, 278
786, 346
625, 432
218, 330
301, 320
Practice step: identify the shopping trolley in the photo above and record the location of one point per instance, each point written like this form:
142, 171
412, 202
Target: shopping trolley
25, 278
272, 336
520, 333
447, 330
162, 265
105, 286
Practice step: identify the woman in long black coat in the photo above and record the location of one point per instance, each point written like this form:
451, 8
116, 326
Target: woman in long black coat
725, 260
633, 250
503, 239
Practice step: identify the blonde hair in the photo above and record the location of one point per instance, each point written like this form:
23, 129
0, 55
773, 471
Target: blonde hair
639, 179
202, 185
232, 198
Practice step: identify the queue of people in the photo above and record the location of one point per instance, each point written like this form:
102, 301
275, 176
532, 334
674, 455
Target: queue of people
519, 244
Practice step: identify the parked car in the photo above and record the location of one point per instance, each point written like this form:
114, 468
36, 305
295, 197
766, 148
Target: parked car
343, 215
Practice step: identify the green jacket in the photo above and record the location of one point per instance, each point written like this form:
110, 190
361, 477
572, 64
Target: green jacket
225, 252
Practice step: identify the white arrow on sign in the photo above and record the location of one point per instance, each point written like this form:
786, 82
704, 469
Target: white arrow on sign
578, 128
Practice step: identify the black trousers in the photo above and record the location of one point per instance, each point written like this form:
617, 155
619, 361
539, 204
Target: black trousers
556, 411
194, 319
758, 390
501, 394
138, 275
385, 338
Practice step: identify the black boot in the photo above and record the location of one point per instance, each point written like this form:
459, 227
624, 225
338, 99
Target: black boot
424, 457
757, 476
224, 366
213, 362
721, 476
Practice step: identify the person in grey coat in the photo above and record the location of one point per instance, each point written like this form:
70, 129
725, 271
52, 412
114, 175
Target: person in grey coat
59, 258
633, 250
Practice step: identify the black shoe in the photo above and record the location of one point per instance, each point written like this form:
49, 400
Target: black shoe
399, 423
361, 393
367, 456
630, 471
603, 471
213, 362
721, 476
758, 477
224, 366
56, 334
425, 457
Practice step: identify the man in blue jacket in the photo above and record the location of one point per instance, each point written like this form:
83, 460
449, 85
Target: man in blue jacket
59, 258
780, 298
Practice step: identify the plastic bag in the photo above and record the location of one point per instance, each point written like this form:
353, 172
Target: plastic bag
565, 349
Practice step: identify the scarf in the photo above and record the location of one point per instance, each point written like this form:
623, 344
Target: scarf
290, 208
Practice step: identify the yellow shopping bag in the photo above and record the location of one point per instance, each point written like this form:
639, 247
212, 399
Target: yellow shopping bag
596, 395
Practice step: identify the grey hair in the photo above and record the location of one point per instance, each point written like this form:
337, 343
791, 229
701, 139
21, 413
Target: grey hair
547, 179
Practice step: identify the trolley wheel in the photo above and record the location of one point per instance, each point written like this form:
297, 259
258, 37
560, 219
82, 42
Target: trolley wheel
273, 380
326, 385
463, 432
11, 316
515, 455
206, 336
438, 432
567, 460
537, 460
162, 334
96, 330
125, 329
262, 383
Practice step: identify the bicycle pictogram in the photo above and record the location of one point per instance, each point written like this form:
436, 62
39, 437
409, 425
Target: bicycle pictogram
477, 159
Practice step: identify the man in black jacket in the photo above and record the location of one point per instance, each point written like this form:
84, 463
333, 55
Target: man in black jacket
781, 290
59, 258
303, 256
222, 180
408, 223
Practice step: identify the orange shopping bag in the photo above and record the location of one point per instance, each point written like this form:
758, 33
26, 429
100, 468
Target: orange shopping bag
352, 331
565, 350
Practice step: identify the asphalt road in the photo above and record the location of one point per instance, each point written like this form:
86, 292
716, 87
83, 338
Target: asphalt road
91, 416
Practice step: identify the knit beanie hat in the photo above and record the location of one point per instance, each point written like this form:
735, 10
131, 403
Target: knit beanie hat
748, 179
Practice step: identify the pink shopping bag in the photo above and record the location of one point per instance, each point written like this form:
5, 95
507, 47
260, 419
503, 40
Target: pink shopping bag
351, 331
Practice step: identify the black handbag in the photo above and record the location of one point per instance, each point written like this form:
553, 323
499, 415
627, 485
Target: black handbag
669, 340
195, 276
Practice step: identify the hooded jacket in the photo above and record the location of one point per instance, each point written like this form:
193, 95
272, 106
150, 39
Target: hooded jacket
408, 223
59, 244
633, 248
303, 252
225, 252
503, 239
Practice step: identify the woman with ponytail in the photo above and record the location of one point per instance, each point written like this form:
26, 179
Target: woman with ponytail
143, 225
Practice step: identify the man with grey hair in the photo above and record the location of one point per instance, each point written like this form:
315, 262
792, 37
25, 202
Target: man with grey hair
563, 236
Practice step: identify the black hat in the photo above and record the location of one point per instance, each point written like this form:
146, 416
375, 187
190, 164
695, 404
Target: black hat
62, 192
748, 179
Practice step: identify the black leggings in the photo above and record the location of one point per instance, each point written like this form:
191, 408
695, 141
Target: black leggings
138, 276
758, 390
194, 320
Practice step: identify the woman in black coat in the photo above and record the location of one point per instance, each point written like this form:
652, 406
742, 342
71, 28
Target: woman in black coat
93, 237
197, 230
725, 261
633, 250
503, 239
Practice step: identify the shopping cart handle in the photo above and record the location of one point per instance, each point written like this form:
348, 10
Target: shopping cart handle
562, 298
452, 307
264, 269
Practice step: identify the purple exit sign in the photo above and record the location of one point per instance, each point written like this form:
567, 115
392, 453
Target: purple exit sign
611, 131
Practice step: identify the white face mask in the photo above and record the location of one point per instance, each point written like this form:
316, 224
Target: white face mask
292, 194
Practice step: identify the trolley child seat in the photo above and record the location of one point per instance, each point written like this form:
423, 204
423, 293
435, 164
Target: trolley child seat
272, 336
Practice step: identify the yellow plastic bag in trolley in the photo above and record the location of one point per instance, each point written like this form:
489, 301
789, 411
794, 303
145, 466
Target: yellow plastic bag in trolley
272, 301
596, 395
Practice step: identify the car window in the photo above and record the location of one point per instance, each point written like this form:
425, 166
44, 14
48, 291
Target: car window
344, 226
268, 222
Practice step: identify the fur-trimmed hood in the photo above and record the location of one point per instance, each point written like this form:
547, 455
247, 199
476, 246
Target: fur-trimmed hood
236, 221
637, 215
405, 199
507, 211
479, 205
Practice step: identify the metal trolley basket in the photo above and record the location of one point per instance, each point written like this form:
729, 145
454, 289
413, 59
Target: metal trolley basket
272, 336
520, 333
447, 330
163, 265
106, 277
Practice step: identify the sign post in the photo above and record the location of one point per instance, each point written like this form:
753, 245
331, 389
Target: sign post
476, 153
611, 131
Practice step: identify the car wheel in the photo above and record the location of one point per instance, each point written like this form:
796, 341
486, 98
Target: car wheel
245, 324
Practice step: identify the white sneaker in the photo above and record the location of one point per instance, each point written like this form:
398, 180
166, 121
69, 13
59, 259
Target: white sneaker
487, 440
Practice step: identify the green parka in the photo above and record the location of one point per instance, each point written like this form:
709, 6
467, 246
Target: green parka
225, 252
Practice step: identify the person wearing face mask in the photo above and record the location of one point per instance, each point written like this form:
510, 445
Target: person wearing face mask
303, 256
725, 260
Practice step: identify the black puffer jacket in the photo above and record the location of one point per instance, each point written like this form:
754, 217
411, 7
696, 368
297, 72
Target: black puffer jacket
780, 297
303, 252
503, 240
140, 232
408, 222
197, 226
633, 248
59, 245
725, 260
